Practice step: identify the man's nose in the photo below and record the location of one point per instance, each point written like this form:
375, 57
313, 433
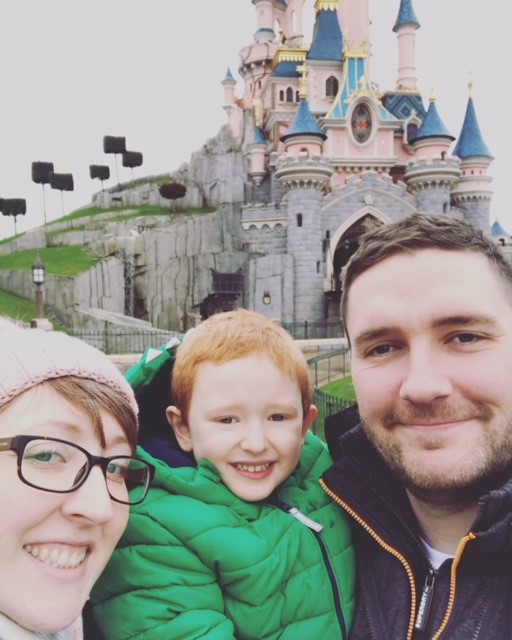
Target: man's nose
425, 378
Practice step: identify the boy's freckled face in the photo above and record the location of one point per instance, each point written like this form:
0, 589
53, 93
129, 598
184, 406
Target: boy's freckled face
246, 417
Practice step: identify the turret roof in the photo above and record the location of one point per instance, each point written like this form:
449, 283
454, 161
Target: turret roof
229, 75
406, 15
498, 230
432, 125
471, 143
304, 122
327, 39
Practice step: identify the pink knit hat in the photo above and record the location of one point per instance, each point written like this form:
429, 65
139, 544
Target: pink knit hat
31, 356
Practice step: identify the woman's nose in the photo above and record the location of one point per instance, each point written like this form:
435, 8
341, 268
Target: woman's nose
91, 500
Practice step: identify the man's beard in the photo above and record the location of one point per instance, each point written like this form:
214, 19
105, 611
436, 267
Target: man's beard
489, 467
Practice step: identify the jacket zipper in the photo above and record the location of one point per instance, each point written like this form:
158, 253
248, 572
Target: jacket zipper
425, 601
427, 592
316, 529
387, 548
453, 583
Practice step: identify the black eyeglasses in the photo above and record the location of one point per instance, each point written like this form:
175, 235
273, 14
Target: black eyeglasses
60, 466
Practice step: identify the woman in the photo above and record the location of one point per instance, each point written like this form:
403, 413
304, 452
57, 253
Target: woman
68, 431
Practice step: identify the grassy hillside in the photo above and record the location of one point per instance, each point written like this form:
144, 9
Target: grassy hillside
59, 261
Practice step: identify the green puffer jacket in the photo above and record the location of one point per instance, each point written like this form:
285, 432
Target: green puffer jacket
196, 561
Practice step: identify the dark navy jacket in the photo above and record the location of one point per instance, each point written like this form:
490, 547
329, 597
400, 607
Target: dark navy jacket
469, 598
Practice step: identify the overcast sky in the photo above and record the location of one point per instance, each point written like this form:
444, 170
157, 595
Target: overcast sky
72, 71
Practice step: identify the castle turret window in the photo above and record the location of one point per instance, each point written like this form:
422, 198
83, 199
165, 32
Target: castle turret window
299, 219
331, 87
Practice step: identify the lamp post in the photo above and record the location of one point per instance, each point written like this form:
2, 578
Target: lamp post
40, 321
38, 280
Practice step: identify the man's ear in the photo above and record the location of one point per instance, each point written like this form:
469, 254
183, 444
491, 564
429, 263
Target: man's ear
180, 428
308, 420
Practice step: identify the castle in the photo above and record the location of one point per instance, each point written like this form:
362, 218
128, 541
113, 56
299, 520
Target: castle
311, 150
325, 150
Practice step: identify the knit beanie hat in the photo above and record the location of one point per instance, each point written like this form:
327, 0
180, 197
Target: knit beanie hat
31, 356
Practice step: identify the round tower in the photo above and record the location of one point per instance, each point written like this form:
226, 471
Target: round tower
306, 177
257, 154
473, 194
434, 173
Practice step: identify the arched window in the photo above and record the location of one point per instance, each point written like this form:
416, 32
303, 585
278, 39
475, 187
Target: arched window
412, 130
297, 97
299, 219
281, 96
289, 94
331, 87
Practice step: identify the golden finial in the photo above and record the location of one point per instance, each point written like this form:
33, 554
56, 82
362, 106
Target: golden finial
470, 84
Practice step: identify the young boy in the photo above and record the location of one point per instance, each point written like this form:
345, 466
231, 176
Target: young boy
246, 544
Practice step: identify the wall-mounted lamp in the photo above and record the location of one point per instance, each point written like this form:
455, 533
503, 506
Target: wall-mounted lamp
266, 298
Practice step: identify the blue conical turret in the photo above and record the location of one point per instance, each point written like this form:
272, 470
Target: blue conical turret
470, 143
304, 123
497, 231
432, 126
406, 15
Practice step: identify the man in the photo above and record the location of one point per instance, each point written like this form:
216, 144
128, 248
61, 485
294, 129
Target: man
427, 306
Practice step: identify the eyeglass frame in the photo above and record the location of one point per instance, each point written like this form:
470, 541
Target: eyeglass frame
18, 444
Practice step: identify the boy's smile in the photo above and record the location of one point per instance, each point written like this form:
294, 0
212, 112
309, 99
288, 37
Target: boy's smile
246, 418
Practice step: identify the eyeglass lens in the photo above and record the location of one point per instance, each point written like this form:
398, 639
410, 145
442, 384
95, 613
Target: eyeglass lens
60, 466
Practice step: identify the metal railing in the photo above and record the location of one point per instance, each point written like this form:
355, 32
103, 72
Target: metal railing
314, 330
121, 341
324, 368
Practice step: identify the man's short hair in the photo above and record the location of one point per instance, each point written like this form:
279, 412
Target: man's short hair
414, 233
237, 334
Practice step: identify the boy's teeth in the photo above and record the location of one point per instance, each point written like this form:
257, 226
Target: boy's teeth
253, 468
55, 557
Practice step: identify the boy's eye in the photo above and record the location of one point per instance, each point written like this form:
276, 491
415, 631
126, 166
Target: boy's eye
277, 417
228, 420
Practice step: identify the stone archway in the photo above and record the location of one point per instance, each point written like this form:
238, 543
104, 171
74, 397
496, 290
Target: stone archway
341, 246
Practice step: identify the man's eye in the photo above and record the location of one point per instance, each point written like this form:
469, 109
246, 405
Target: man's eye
381, 350
466, 338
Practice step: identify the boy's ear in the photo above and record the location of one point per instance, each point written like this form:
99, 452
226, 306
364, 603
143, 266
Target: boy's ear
180, 428
309, 418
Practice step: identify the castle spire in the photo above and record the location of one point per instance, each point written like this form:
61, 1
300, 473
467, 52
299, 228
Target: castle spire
471, 143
